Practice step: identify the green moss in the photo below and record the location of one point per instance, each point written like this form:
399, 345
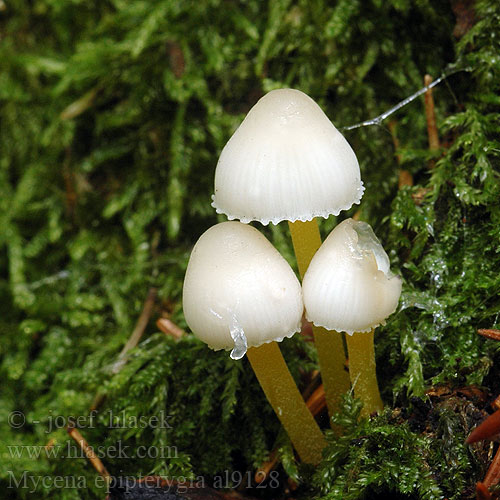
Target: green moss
383, 456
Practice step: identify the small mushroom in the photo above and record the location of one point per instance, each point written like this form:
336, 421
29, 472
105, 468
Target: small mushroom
287, 161
349, 287
241, 295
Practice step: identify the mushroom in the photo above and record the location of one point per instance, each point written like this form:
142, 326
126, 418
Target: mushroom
287, 161
240, 294
349, 287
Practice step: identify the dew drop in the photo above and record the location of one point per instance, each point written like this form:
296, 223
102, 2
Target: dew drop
368, 242
239, 338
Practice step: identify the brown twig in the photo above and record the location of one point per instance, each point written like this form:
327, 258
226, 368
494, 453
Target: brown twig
306, 330
493, 475
395, 141
486, 429
89, 452
316, 403
430, 116
168, 327
139, 329
132, 342
405, 177
490, 333
312, 381
81, 105
482, 492
263, 471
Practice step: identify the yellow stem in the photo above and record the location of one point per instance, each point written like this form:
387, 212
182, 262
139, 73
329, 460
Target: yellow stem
270, 367
332, 364
306, 241
361, 352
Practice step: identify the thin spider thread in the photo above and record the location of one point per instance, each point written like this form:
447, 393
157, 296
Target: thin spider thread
380, 118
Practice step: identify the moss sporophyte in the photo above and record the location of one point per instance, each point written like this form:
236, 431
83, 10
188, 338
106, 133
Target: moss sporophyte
287, 161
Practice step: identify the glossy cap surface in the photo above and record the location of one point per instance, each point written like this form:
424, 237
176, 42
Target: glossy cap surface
348, 286
286, 161
239, 291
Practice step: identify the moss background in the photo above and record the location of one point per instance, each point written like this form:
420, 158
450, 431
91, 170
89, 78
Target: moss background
112, 117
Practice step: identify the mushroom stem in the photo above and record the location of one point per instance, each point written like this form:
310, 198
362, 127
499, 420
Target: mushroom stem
269, 366
306, 241
361, 352
332, 362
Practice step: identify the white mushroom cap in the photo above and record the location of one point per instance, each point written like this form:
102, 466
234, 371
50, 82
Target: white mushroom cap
286, 161
348, 286
239, 291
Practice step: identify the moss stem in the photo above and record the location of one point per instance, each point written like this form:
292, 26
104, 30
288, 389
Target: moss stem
269, 367
306, 241
361, 352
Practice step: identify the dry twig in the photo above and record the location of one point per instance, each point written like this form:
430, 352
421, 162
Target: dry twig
132, 342
316, 403
89, 452
493, 475
168, 327
482, 492
490, 333
430, 116
488, 428
405, 177
139, 329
